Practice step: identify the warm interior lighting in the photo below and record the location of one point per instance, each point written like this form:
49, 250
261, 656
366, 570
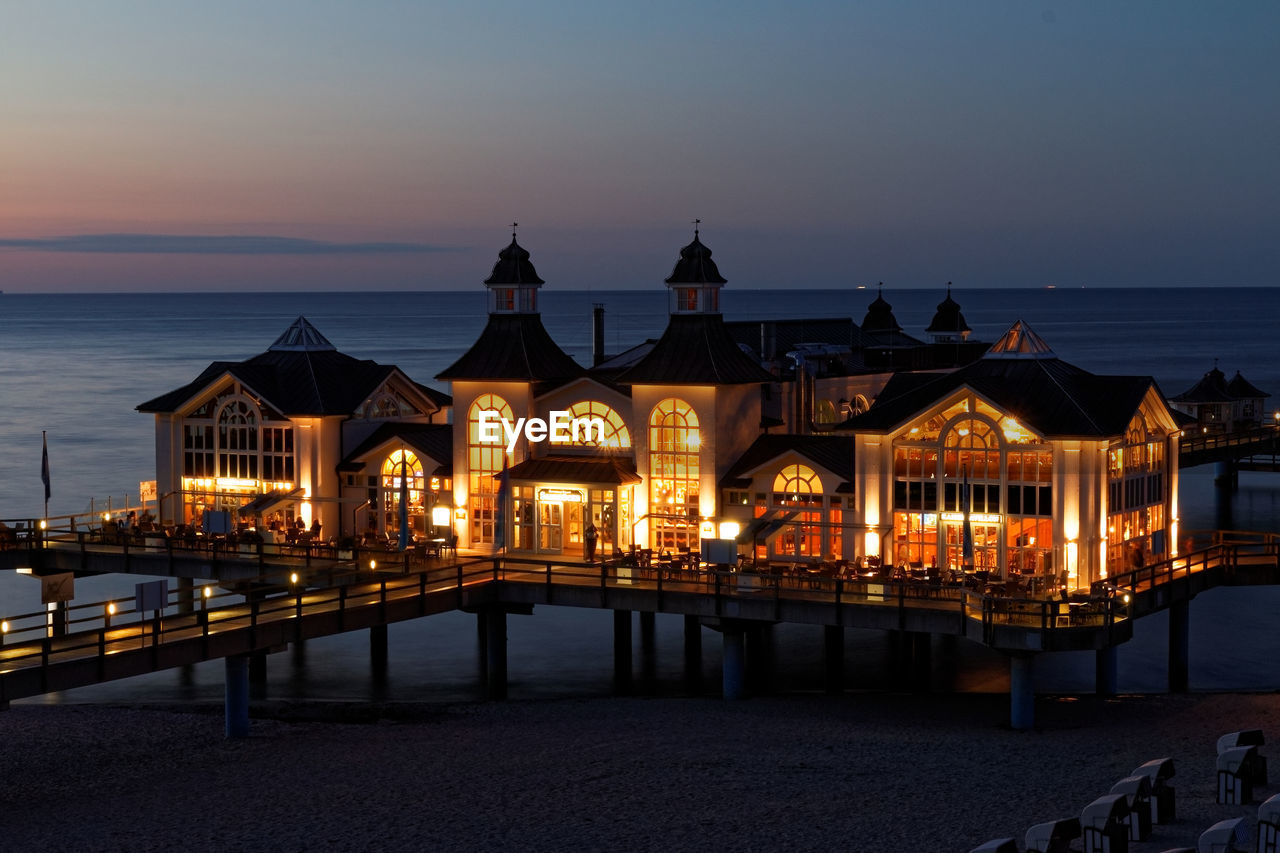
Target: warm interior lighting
730, 529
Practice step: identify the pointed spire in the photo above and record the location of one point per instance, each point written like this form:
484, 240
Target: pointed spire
301, 336
1020, 342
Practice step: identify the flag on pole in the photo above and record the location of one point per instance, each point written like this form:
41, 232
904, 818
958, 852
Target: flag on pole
44, 470
404, 502
964, 508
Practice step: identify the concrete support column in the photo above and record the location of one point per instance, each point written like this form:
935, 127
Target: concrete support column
734, 668
186, 595
1106, 671
760, 655
693, 654
920, 648
1179, 645
833, 658
237, 696
378, 647
1022, 693
622, 651
648, 649
495, 621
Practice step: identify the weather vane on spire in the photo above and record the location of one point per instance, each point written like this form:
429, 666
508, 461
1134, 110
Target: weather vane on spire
514, 226
696, 223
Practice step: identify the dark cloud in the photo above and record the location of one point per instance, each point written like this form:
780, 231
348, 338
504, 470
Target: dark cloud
177, 244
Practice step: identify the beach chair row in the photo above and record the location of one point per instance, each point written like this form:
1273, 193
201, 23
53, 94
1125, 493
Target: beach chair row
1146, 797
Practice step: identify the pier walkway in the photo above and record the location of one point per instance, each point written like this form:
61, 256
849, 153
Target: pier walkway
1248, 450
275, 599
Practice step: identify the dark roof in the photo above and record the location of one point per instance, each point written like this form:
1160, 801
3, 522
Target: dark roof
1048, 395
616, 470
440, 398
302, 374
695, 266
782, 336
695, 349
1020, 342
515, 347
948, 317
880, 317
1240, 388
1212, 388
832, 452
513, 267
431, 440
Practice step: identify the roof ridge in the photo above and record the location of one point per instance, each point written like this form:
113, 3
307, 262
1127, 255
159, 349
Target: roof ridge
1041, 363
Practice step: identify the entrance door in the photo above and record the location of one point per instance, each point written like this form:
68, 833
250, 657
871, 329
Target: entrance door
550, 527
986, 546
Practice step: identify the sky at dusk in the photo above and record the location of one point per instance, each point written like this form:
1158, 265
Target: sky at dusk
389, 145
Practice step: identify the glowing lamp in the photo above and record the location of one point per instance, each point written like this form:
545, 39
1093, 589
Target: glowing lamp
373, 565
440, 516
44, 525
207, 591
730, 529
293, 577
4, 627
706, 529
111, 608
460, 513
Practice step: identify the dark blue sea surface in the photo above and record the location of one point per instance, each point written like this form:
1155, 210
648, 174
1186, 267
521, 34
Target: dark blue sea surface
78, 365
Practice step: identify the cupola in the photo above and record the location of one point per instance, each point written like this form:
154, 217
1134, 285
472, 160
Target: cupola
513, 284
695, 282
880, 315
948, 325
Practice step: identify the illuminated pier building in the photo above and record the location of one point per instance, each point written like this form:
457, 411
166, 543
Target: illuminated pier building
804, 440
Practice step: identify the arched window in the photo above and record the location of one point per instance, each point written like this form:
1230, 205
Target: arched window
798, 486
674, 474
238, 439
403, 463
1136, 519
824, 413
616, 434
483, 461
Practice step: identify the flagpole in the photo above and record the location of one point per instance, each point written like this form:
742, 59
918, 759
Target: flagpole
44, 468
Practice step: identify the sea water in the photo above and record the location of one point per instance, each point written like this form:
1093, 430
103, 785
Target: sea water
77, 366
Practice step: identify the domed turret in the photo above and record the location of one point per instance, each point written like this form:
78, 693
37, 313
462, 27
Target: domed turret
695, 282
948, 325
513, 284
880, 316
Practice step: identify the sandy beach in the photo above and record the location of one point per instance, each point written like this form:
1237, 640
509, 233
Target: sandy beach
859, 772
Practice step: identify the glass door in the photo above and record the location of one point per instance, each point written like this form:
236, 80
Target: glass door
550, 527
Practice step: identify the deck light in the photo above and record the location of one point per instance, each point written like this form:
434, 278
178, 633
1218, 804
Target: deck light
4, 627
206, 591
106, 516
111, 608
293, 577
373, 565
1126, 598
730, 529
44, 525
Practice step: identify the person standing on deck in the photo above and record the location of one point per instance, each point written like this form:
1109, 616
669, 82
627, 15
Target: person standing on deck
591, 536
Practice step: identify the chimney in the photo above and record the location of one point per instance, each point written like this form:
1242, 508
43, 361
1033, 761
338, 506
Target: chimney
597, 333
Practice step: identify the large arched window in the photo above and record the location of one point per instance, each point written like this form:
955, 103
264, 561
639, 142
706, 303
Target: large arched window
484, 459
238, 439
403, 464
674, 474
616, 434
798, 489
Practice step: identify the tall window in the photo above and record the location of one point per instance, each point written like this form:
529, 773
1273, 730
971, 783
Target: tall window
238, 440
483, 461
392, 471
616, 434
797, 488
674, 474
1136, 493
